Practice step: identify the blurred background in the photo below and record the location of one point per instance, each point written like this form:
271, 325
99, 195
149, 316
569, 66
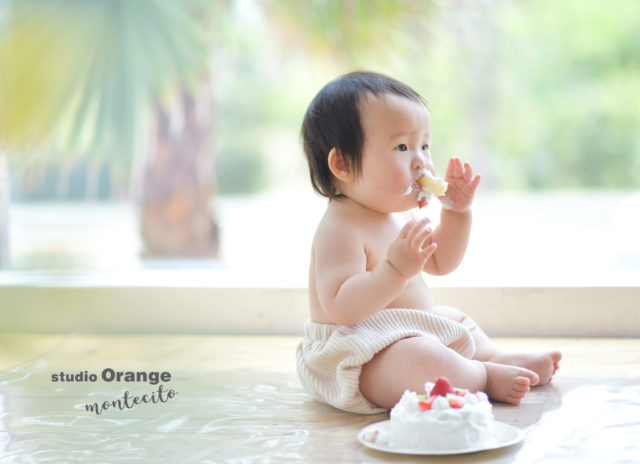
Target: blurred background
160, 135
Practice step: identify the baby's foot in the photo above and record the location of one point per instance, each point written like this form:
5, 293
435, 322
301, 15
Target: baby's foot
544, 364
508, 383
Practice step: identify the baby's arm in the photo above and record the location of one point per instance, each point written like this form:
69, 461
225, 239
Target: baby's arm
348, 292
452, 235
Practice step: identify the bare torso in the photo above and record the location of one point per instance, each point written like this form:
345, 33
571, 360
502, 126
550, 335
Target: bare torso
376, 235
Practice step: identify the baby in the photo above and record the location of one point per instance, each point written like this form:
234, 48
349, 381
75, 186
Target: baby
374, 331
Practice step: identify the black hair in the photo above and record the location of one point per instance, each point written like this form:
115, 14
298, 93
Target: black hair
333, 121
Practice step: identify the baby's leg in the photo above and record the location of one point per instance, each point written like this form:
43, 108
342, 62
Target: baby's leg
408, 363
545, 364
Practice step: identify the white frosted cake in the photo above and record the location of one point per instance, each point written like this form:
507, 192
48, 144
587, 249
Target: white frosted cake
443, 419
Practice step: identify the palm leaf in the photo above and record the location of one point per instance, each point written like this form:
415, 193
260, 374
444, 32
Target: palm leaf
83, 75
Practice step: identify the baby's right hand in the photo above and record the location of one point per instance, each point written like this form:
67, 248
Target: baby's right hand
407, 254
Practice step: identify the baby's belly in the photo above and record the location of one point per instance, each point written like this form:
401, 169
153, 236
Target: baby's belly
416, 295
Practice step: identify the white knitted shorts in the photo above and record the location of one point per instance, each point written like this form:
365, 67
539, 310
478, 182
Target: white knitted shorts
330, 356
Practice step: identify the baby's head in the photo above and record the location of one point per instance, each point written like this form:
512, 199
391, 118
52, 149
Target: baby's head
333, 121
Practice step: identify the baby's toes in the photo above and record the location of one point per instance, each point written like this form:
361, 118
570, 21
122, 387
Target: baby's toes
521, 384
531, 377
515, 399
556, 356
519, 388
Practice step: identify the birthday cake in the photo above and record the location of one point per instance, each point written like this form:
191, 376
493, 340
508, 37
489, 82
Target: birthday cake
429, 185
445, 418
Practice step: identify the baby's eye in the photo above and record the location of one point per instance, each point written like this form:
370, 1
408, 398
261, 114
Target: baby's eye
425, 147
402, 147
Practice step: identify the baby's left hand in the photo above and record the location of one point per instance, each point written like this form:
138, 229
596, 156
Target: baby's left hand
462, 186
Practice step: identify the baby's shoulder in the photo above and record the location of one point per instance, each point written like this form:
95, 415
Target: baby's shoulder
337, 222
344, 227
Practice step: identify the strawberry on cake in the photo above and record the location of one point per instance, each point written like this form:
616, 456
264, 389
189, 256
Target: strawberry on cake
445, 418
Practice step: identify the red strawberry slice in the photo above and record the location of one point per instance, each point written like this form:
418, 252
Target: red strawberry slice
426, 404
442, 387
422, 202
456, 403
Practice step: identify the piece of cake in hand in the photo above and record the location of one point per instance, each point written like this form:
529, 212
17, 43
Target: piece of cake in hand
430, 185
446, 418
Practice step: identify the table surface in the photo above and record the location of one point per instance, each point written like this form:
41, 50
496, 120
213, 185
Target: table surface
237, 399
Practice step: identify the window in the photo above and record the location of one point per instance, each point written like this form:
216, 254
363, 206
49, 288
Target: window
550, 120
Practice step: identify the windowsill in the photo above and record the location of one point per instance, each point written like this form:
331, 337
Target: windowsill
256, 278
224, 302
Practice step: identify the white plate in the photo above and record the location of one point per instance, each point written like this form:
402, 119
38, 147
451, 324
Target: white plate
375, 436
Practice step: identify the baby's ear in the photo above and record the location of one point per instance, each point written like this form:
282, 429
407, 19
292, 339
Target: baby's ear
339, 166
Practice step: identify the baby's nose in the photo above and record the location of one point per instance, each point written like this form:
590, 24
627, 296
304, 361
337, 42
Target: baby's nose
419, 161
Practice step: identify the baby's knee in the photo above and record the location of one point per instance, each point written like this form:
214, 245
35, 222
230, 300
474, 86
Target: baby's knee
429, 355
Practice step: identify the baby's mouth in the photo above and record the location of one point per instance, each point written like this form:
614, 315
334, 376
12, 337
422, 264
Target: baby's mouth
415, 186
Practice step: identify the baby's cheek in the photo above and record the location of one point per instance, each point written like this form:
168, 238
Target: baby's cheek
401, 177
401, 188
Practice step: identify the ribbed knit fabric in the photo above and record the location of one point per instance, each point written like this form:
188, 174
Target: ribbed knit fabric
330, 356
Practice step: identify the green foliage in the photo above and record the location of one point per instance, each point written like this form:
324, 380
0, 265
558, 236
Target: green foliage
241, 125
537, 94
569, 104
352, 32
82, 76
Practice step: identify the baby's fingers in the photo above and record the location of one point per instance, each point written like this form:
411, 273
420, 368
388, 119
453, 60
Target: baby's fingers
455, 169
407, 229
475, 182
416, 229
418, 241
468, 172
428, 251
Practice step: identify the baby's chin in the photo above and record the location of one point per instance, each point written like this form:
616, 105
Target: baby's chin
410, 197
406, 203
403, 205
391, 201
